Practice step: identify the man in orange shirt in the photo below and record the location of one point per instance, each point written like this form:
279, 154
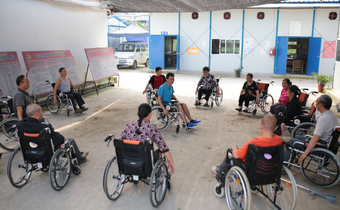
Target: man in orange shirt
267, 139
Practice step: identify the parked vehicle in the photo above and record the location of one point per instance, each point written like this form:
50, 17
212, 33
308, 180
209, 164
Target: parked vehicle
132, 54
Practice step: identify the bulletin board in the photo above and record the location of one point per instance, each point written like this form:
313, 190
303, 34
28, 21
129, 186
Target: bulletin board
9, 71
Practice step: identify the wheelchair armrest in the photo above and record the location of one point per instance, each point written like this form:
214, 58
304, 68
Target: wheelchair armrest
304, 89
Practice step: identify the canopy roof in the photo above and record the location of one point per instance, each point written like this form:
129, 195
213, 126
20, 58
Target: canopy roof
164, 6
133, 30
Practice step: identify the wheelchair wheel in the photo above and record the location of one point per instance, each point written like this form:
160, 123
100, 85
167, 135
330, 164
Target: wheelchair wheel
10, 140
60, 169
218, 190
237, 189
218, 99
287, 193
306, 128
159, 119
18, 171
54, 108
321, 168
266, 102
158, 183
113, 181
148, 95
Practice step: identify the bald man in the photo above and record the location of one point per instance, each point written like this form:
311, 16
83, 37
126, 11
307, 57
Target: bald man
267, 139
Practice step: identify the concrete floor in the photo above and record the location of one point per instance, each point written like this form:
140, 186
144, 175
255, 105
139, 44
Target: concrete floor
193, 151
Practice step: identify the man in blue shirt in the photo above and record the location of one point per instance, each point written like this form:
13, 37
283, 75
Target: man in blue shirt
165, 93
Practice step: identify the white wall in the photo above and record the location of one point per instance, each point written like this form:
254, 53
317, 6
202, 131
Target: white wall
326, 29
164, 22
230, 30
31, 25
336, 84
194, 34
303, 15
262, 32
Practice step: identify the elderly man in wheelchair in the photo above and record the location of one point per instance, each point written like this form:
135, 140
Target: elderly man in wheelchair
41, 148
208, 87
136, 159
256, 165
316, 154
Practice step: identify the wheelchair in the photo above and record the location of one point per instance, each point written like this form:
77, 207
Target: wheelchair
151, 96
36, 153
266, 100
9, 138
63, 101
163, 121
135, 161
238, 182
213, 97
321, 167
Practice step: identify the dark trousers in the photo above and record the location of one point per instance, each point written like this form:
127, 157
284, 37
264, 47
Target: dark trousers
76, 96
277, 108
207, 93
246, 99
297, 138
278, 123
229, 162
77, 153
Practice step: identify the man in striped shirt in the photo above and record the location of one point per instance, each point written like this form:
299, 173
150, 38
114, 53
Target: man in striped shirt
21, 97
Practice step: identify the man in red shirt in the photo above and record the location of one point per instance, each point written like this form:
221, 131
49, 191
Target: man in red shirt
156, 80
267, 139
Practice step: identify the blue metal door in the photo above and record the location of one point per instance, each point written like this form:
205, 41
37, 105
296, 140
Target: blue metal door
281, 62
313, 55
178, 55
156, 51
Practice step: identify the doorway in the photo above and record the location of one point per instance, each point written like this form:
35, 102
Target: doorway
297, 56
170, 52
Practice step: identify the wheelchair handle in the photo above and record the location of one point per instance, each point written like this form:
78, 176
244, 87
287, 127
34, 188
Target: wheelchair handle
48, 82
304, 89
109, 139
271, 82
313, 93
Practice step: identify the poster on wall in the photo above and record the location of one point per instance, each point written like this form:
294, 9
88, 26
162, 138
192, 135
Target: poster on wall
295, 28
328, 49
102, 62
9, 71
45, 65
248, 46
193, 51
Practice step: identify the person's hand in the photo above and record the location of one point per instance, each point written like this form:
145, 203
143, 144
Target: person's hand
144, 91
218, 93
172, 167
258, 101
55, 101
166, 112
302, 157
234, 148
282, 127
195, 92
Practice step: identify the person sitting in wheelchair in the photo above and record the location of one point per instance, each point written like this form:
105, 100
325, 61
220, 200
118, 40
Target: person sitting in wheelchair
327, 121
142, 129
32, 124
156, 80
267, 139
248, 93
277, 108
292, 109
166, 93
206, 85
64, 84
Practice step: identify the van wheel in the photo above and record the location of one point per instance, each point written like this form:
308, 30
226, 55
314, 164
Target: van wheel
134, 66
147, 63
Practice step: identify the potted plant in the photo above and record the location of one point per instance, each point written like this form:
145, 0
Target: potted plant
322, 80
238, 72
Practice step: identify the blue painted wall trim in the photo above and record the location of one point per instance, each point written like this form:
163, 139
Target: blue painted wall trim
313, 23
117, 26
210, 39
149, 42
276, 40
242, 41
115, 17
179, 42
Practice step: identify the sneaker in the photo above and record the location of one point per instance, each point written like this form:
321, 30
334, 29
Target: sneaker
214, 170
206, 105
191, 125
239, 108
246, 109
195, 121
198, 104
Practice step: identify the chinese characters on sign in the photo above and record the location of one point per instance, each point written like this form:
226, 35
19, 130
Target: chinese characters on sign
9, 71
193, 51
328, 49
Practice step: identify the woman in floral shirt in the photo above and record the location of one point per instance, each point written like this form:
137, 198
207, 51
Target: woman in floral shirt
142, 129
208, 83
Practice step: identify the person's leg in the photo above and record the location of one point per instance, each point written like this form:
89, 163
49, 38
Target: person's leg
273, 107
297, 138
79, 99
182, 114
279, 120
200, 92
77, 153
207, 94
186, 111
71, 97
247, 99
241, 99
279, 109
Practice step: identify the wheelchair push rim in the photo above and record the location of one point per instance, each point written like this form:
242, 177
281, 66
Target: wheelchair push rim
303, 129
18, 171
9, 139
219, 98
237, 189
113, 181
53, 108
266, 102
60, 169
158, 183
159, 119
321, 168
287, 194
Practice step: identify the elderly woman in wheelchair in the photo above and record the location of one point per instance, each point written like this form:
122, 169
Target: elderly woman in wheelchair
136, 159
255, 166
209, 88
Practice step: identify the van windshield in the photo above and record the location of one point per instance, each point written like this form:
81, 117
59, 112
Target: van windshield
126, 48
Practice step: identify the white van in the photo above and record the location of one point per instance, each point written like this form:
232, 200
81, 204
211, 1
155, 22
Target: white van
132, 54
